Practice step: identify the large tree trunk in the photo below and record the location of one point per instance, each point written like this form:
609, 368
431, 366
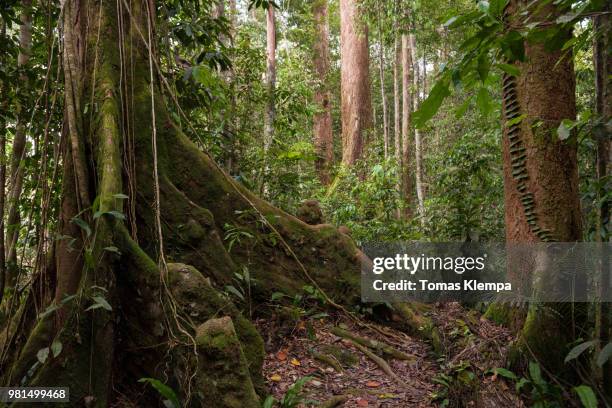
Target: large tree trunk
323, 138
603, 87
18, 154
355, 81
3, 106
407, 166
541, 178
131, 314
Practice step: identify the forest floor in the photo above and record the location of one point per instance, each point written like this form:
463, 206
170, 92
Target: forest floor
341, 372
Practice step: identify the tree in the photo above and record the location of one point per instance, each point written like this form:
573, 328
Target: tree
18, 151
541, 172
383, 94
603, 89
323, 138
111, 294
407, 167
355, 81
270, 113
419, 86
397, 119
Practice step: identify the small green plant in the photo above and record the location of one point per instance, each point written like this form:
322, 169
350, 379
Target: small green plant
170, 398
234, 235
292, 398
243, 284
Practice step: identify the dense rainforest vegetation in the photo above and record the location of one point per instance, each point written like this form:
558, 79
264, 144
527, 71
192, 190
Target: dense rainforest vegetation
186, 186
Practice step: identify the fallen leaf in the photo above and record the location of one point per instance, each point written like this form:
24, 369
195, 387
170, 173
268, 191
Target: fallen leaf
373, 384
275, 378
295, 362
362, 403
281, 355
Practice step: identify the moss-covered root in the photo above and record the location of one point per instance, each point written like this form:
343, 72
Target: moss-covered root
224, 375
419, 324
506, 315
376, 345
198, 299
335, 401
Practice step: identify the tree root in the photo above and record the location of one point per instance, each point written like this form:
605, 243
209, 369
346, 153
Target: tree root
373, 344
334, 401
329, 360
380, 362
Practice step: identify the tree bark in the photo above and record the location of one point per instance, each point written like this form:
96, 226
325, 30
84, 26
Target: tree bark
383, 94
541, 179
355, 81
18, 154
270, 113
397, 119
603, 89
323, 138
407, 166
162, 312
3, 105
419, 87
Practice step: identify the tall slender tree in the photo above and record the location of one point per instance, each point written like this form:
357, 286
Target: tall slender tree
19, 147
323, 138
381, 71
407, 165
419, 87
270, 113
355, 81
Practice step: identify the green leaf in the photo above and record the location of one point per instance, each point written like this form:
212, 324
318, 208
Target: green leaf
483, 101
113, 249
579, 349
484, 65
496, 7
509, 69
121, 196
463, 108
231, 289
42, 355
56, 348
277, 296
505, 373
99, 302
269, 402
535, 373
587, 396
83, 225
430, 106
516, 120
564, 131
604, 355
163, 390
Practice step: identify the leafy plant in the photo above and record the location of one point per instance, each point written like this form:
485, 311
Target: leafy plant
171, 400
292, 398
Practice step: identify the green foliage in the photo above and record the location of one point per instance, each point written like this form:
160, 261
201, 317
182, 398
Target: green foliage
171, 400
292, 398
466, 196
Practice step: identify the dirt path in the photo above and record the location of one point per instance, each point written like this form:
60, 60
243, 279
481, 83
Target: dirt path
340, 369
